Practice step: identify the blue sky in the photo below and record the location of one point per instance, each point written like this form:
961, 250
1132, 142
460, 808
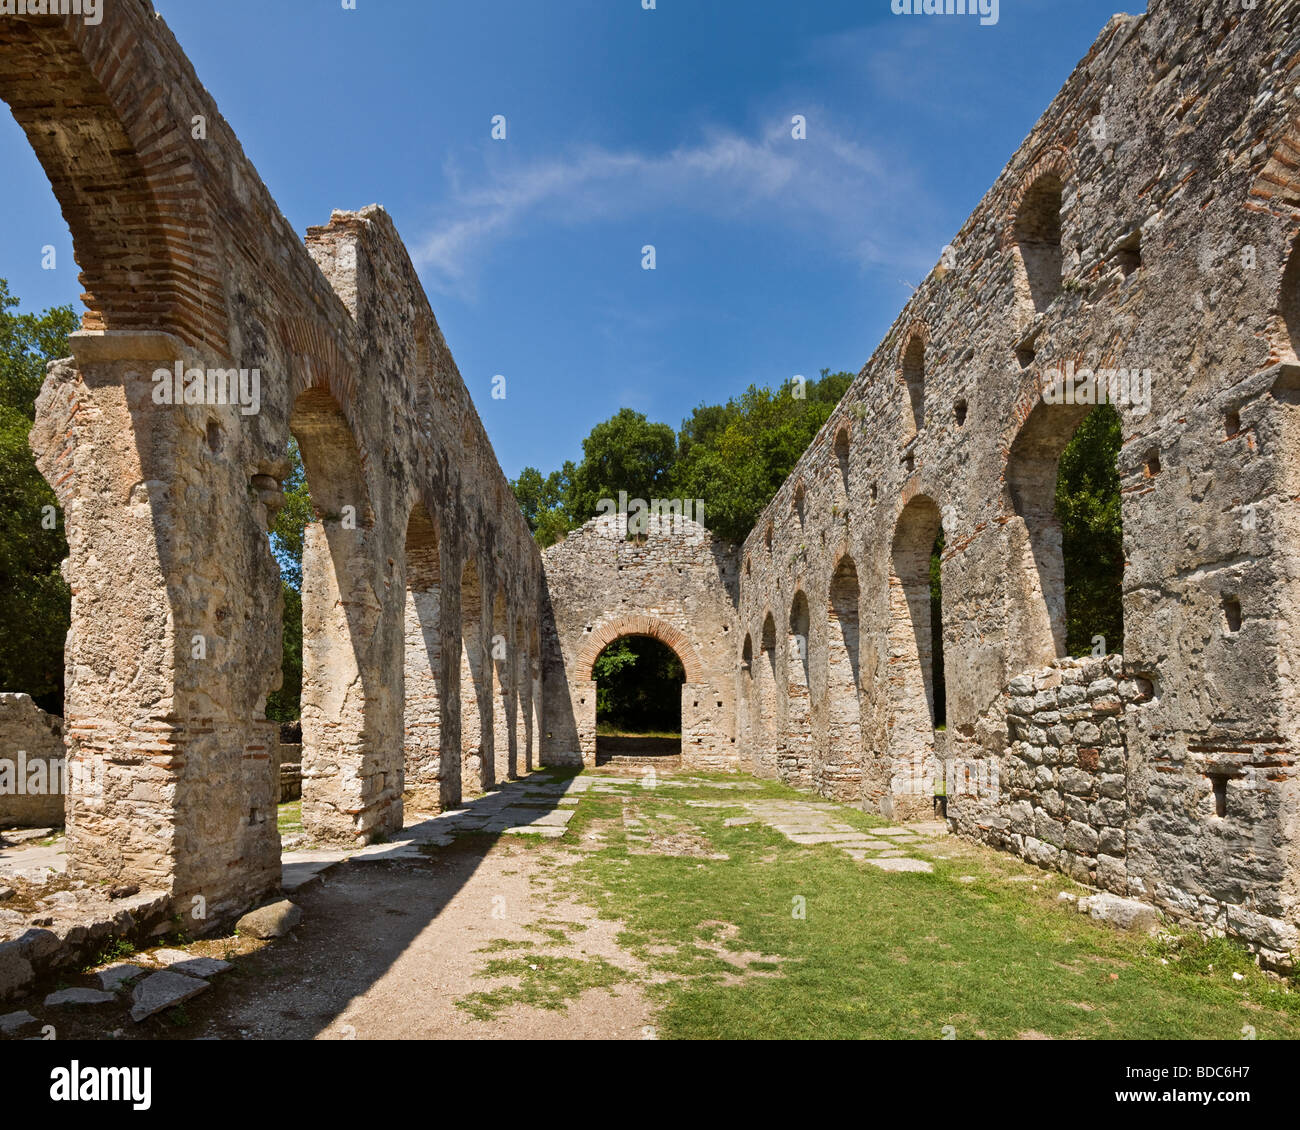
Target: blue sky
625, 127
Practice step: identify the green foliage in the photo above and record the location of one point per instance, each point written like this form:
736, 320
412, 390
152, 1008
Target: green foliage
35, 605
1092, 542
638, 685
285, 704
625, 452
734, 456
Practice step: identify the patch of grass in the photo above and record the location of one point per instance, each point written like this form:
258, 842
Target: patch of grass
113, 950
889, 955
496, 945
544, 981
288, 817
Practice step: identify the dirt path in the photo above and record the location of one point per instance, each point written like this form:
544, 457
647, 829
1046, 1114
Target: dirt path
385, 950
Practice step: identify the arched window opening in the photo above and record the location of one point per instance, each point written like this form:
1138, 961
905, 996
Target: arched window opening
914, 379
766, 737
842, 458
638, 699
1067, 599
1038, 238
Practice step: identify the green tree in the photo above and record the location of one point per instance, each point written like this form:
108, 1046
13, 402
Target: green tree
287, 533
1092, 539
35, 605
736, 456
545, 502
624, 453
639, 686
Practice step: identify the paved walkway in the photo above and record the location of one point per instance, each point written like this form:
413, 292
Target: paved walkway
813, 822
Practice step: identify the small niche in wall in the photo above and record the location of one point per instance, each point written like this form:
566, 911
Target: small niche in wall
959, 411
1219, 784
1232, 614
1151, 463
1232, 423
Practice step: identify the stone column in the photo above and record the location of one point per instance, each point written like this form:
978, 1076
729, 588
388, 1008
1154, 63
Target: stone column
175, 634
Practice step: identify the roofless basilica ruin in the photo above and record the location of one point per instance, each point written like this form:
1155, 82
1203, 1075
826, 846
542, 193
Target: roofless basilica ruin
1145, 230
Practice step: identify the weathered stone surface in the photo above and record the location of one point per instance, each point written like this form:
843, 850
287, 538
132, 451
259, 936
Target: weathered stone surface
1122, 913
163, 990
31, 764
271, 921
115, 976
66, 997
16, 1023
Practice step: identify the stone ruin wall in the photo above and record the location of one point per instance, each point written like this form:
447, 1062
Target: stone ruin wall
175, 639
677, 583
29, 737
1171, 151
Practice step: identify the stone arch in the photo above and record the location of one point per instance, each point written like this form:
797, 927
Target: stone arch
422, 662
476, 737
745, 697
911, 660
521, 672
342, 678
843, 766
605, 634
107, 135
1034, 231
911, 372
841, 448
767, 728
504, 741
796, 738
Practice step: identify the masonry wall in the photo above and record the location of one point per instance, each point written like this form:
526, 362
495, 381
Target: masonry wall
26, 730
1147, 222
675, 584
175, 636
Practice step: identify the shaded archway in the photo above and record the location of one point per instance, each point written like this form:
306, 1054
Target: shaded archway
843, 767
504, 740
765, 736
912, 685
422, 664
1038, 241
639, 681
345, 773
794, 761
475, 687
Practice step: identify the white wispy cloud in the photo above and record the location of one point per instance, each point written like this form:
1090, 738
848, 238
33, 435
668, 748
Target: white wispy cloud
833, 189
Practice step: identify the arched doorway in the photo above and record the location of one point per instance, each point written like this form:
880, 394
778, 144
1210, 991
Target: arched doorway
639, 683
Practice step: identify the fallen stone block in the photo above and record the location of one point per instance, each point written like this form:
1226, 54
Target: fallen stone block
271, 921
163, 990
1122, 913
902, 864
15, 1023
115, 976
78, 996
201, 966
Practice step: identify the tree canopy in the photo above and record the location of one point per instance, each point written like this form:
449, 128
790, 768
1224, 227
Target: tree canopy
35, 604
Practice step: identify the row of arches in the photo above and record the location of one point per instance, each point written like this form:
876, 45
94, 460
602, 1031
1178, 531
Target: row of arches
824, 704
470, 685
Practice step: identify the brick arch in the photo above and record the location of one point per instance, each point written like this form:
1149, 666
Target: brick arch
87, 98
604, 635
917, 328
1055, 161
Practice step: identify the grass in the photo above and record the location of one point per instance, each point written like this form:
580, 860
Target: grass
884, 955
542, 981
288, 817
608, 730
